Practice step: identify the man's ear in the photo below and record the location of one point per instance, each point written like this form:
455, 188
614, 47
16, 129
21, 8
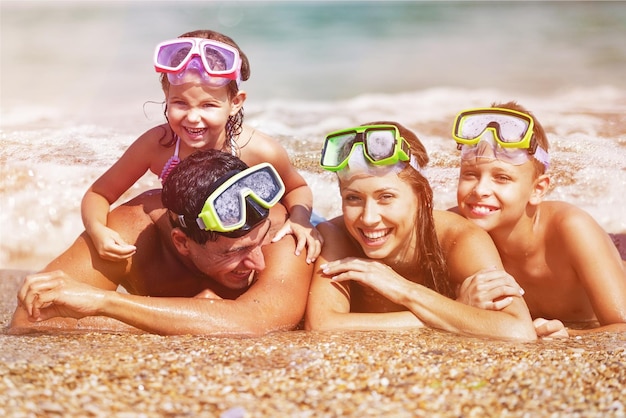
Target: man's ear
540, 189
237, 102
180, 241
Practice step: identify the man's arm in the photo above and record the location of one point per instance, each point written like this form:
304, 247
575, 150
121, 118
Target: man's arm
82, 263
276, 301
77, 261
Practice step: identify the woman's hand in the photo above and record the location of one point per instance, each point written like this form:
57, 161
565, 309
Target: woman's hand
376, 275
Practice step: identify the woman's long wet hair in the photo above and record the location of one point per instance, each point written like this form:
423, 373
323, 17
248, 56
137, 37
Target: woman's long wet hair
428, 256
234, 125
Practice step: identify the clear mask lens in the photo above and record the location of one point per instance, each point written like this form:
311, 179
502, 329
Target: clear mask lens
230, 205
509, 129
489, 149
241, 198
194, 72
380, 144
214, 62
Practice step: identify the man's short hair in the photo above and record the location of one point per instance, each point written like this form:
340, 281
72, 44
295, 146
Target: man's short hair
189, 184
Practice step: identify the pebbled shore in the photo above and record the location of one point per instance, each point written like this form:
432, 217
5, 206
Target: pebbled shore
305, 374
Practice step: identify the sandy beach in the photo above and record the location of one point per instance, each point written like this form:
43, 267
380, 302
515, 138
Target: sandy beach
304, 374
78, 86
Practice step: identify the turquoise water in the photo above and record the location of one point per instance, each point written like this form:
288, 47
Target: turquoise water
98, 54
77, 86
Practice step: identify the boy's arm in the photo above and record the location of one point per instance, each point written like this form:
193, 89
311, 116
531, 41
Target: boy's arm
598, 266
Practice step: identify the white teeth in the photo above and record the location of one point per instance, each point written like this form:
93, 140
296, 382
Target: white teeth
483, 210
195, 131
375, 234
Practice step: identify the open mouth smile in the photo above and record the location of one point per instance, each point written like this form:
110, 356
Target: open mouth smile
482, 210
195, 131
378, 236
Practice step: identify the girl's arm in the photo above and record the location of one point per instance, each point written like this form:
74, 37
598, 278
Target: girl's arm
109, 187
298, 198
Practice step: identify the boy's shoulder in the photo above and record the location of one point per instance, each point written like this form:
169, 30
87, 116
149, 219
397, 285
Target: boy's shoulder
560, 214
566, 225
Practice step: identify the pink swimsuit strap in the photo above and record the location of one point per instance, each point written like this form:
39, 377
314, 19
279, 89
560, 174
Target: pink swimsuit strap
173, 161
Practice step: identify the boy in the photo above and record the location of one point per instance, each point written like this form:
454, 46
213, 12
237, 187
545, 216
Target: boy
566, 263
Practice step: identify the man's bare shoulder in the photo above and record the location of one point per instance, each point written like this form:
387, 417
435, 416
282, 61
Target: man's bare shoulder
139, 213
147, 204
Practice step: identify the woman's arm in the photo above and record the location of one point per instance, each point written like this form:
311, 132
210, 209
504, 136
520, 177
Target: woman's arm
328, 307
470, 251
329, 303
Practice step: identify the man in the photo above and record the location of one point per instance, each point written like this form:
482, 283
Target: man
199, 267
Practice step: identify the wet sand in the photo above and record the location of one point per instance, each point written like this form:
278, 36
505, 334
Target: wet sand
303, 374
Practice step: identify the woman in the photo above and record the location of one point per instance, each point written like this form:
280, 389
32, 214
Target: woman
391, 261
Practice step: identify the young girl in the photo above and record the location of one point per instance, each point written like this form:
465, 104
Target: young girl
200, 76
391, 261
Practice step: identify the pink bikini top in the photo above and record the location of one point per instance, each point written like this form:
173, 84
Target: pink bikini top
175, 159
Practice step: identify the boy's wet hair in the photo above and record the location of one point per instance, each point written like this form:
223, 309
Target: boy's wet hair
189, 184
538, 132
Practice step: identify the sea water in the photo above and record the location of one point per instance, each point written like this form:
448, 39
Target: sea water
78, 86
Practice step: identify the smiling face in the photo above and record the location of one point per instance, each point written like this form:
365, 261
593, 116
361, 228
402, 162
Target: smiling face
198, 113
494, 194
230, 262
380, 213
